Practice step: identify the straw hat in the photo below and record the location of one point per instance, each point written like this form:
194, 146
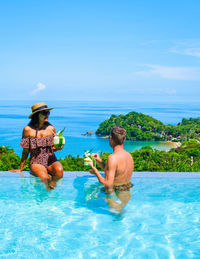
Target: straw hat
38, 107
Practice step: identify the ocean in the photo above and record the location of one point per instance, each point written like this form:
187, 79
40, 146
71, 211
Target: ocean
79, 117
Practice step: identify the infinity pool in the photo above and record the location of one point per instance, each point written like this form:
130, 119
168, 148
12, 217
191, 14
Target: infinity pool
162, 220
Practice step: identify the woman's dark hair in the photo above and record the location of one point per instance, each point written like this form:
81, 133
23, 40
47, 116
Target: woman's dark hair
34, 120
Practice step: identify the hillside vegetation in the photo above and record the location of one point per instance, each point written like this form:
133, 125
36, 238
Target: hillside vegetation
182, 159
144, 127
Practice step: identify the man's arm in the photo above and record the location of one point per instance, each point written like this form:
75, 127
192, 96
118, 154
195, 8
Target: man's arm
110, 170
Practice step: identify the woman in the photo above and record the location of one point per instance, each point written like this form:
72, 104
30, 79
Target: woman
37, 140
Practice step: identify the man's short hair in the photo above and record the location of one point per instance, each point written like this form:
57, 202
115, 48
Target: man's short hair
118, 135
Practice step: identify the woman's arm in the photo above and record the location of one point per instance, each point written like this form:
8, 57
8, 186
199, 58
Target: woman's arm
23, 161
25, 152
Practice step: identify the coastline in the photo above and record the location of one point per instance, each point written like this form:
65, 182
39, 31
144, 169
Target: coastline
173, 144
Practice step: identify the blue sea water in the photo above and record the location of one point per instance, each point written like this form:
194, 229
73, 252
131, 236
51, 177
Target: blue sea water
81, 116
74, 220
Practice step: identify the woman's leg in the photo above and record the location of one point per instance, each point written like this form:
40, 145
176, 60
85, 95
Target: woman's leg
40, 171
56, 171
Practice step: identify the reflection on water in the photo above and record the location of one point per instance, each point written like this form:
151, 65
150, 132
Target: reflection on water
31, 188
72, 195
92, 196
89, 195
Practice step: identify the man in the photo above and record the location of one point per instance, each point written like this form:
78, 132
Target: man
118, 170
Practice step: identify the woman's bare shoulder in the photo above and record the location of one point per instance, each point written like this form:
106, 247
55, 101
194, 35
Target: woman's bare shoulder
51, 127
27, 131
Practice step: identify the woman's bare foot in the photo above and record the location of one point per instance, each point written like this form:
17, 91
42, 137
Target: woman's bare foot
49, 188
52, 184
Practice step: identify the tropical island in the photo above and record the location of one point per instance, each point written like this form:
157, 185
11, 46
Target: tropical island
140, 126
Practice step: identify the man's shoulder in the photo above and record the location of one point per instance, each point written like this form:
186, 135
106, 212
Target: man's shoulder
112, 158
112, 162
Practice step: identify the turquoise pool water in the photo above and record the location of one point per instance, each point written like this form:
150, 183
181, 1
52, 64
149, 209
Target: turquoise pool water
162, 220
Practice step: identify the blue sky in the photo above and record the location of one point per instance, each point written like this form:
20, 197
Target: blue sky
100, 50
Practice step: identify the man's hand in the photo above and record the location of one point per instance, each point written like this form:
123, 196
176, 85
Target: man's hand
98, 160
96, 157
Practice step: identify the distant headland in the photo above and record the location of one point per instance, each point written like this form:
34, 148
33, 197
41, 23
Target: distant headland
140, 126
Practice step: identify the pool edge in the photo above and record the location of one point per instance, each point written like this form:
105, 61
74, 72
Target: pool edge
135, 174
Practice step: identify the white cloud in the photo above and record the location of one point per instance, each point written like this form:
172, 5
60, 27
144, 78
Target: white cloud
195, 52
39, 88
187, 47
177, 73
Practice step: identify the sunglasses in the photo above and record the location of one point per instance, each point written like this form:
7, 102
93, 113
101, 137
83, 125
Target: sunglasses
45, 113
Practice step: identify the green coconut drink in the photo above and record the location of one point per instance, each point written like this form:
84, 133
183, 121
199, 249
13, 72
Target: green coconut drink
88, 159
59, 140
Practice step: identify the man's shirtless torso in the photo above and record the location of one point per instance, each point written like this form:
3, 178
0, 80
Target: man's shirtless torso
124, 167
